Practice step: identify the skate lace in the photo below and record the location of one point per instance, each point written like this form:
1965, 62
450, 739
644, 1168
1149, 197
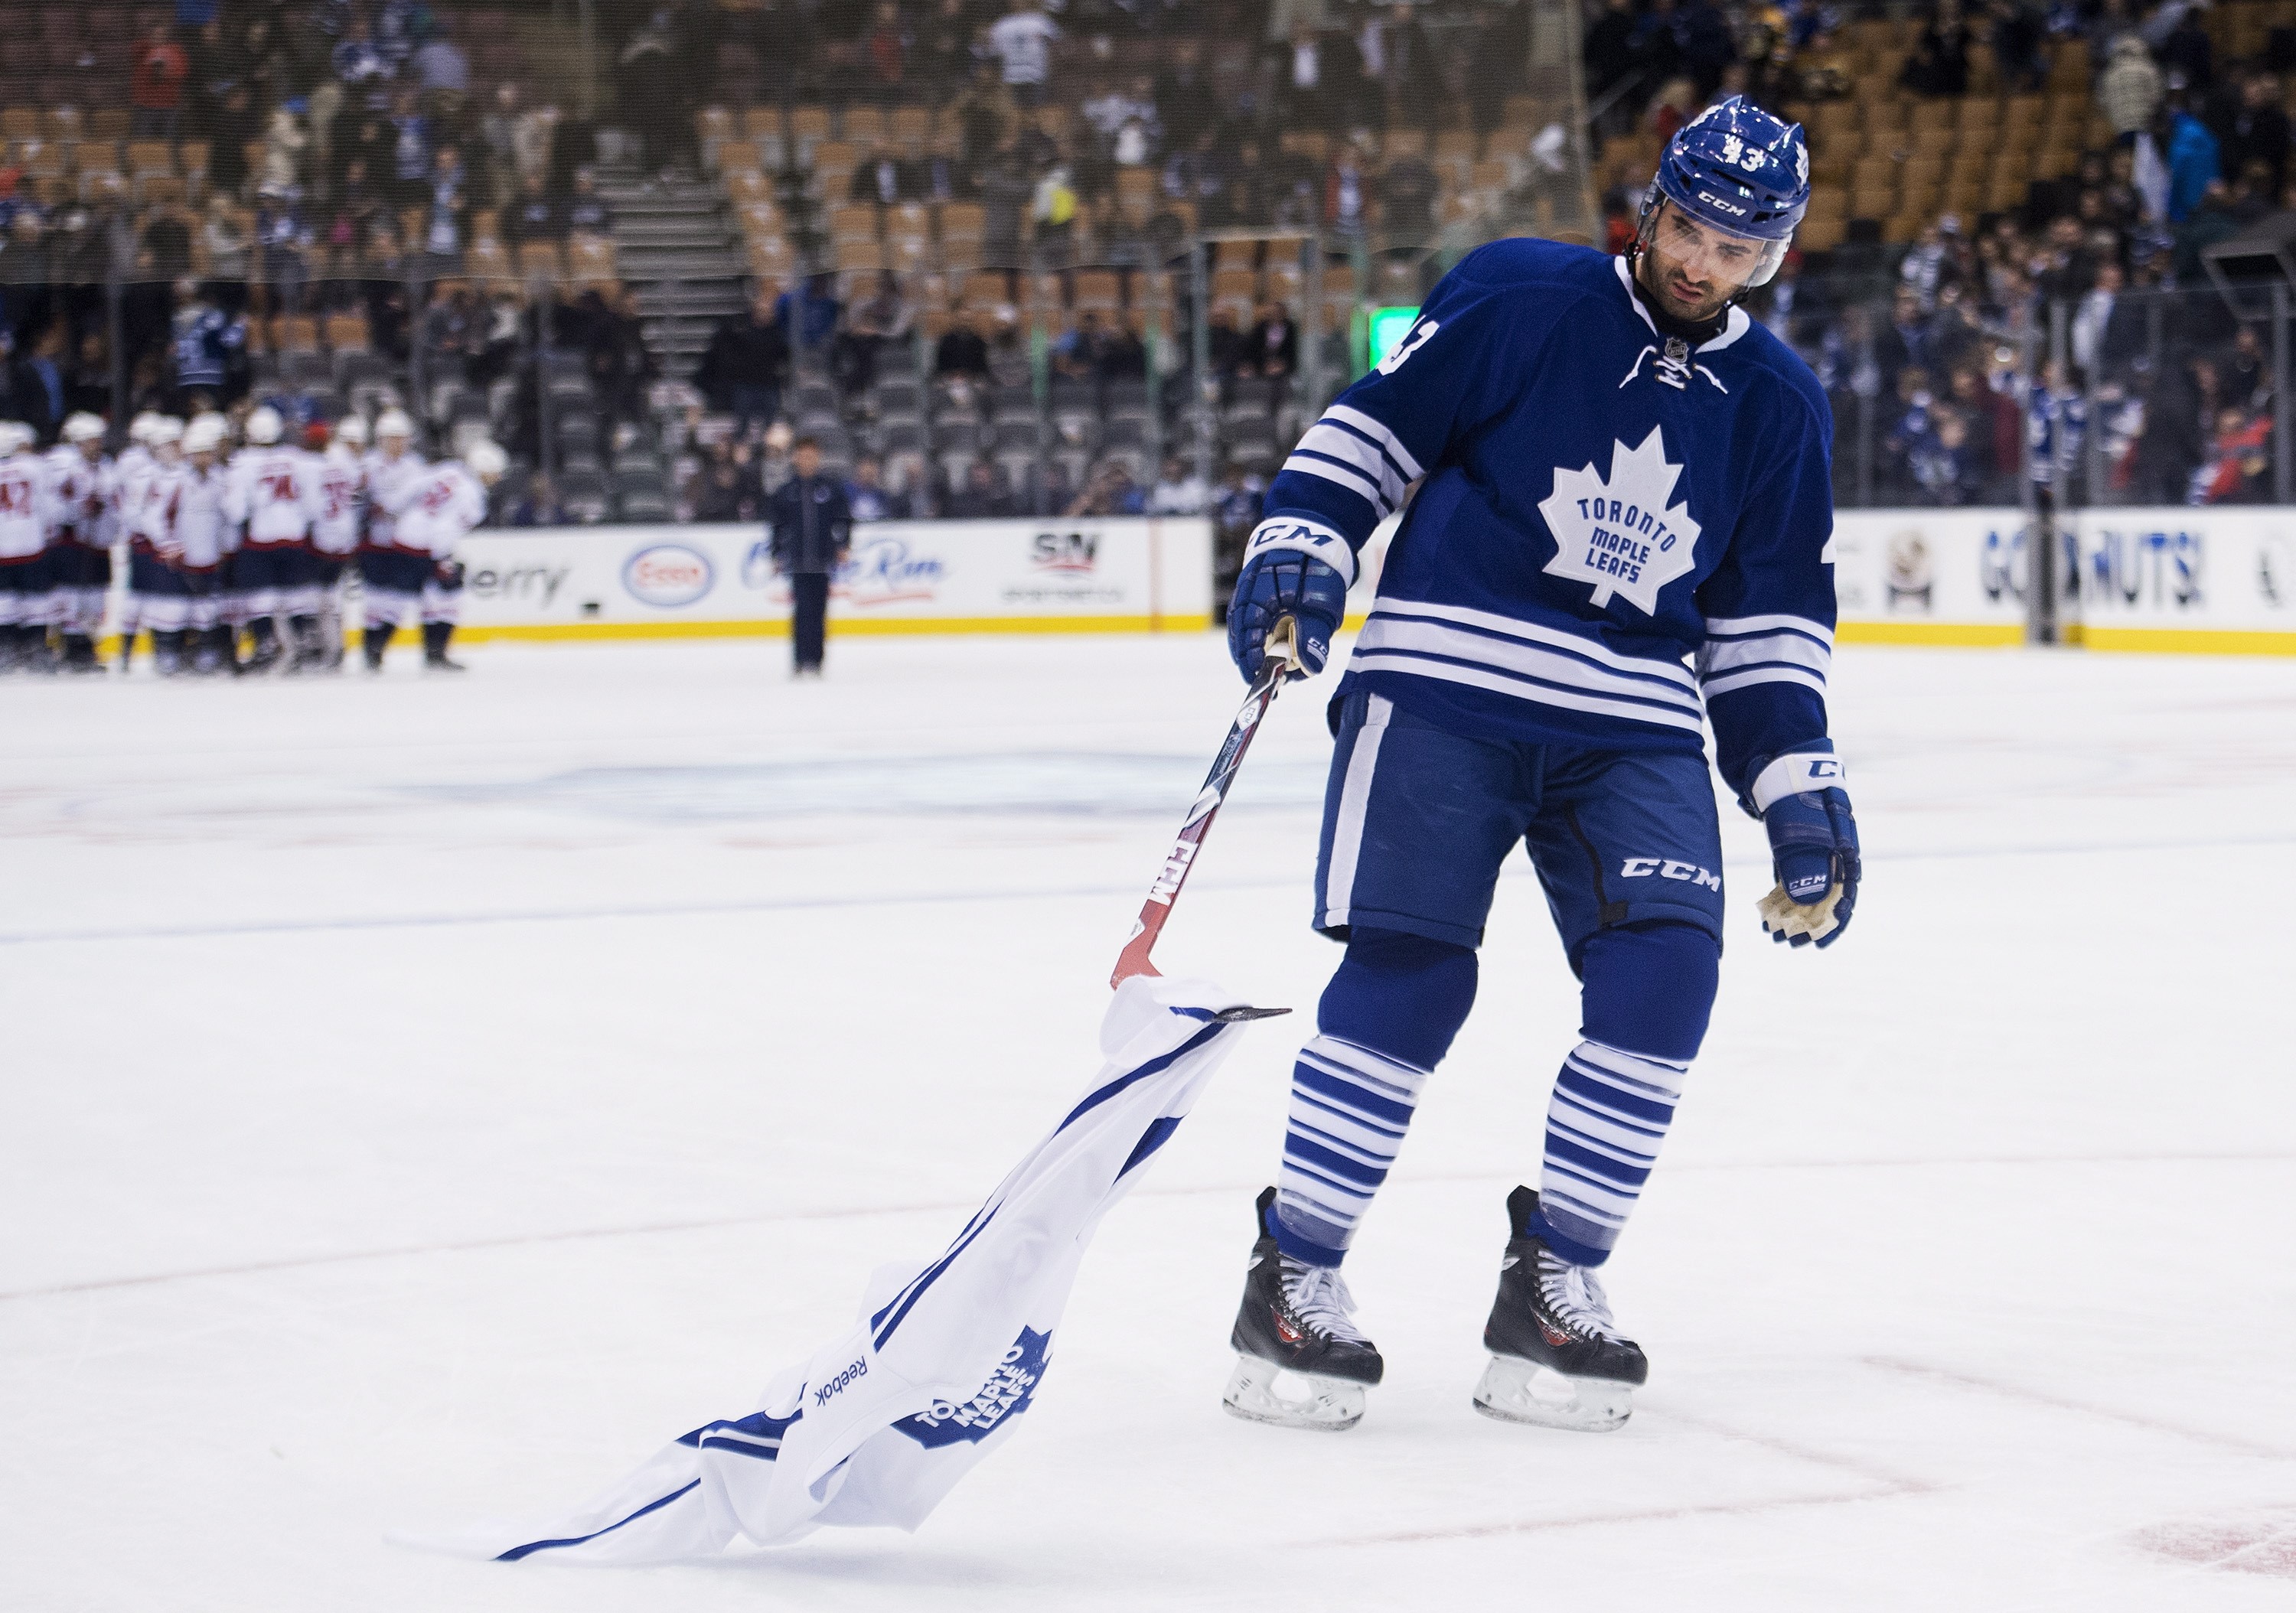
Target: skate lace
1318, 1295
1574, 1294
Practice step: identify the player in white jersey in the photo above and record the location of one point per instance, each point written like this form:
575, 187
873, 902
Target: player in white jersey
272, 498
26, 519
197, 544
434, 513
85, 497
393, 576
147, 483
335, 534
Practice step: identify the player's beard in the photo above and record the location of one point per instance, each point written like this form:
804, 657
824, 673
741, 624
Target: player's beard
1679, 295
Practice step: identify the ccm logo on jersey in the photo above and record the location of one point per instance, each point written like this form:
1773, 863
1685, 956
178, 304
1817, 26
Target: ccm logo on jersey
1667, 868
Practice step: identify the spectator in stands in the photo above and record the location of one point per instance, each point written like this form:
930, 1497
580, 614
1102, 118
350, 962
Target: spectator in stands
961, 350
980, 496
538, 506
885, 54
808, 314
1180, 490
1022, 40
442, 70
1608, 50
1109, 491
209, 344
2193, 163
155, 86
447, 220
1346, 194
42, 383
2239, 466
1123, 356
1272, 346
587, 213
2185, 54
742, 369
728, 489
2258, 132
286, 139
2130, 92
944, 55
1940, 63
1407, 192
534, 215
410, 152
361, 68
235, 126
879, 321
866, 495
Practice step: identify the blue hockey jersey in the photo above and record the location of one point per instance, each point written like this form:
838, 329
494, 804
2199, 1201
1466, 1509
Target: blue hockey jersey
1602, 504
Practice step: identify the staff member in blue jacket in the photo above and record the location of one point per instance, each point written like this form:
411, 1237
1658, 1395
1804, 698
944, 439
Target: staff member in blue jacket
811, 529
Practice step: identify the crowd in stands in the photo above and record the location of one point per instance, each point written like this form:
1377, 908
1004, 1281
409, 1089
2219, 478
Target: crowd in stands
965, 226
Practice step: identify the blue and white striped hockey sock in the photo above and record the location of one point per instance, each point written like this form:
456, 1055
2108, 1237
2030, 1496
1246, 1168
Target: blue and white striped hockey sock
1349, 1109
1608, 1114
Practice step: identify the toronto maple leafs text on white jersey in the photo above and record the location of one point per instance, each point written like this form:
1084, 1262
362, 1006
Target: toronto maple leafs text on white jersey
272, 493
438, 508
26, 512
84, 497
342, 477
387, 481
1617, 531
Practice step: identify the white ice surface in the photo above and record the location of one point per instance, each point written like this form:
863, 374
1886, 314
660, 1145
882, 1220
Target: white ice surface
423, 1098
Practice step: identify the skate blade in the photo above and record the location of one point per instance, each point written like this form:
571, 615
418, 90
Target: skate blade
1514, 1391
1260, 1391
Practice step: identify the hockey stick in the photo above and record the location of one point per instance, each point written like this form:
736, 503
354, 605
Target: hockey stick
1280, 657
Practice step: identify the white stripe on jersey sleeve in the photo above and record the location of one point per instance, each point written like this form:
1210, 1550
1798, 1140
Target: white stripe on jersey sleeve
1307, 464
1788, 649
1334, 442
1739, 627
1379, 434
1764, 675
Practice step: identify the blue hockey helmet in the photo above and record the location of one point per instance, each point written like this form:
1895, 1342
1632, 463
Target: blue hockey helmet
1741, 171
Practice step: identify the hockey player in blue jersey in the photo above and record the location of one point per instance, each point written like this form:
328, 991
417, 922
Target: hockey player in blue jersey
1622, 526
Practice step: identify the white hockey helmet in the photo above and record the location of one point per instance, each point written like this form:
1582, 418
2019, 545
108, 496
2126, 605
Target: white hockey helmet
204, 435
486, 461
84, 427
165, 432
139, 430
394, 423
15, 436
350, 430
264, 427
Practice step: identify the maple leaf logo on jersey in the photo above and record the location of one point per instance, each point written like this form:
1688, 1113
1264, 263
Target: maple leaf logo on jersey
1618, 534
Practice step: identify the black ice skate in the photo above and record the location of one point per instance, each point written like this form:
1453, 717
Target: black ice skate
1300, 1363
1558, 1360
435, 637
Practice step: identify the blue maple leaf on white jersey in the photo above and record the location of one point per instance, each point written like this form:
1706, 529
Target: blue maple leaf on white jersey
1619, 534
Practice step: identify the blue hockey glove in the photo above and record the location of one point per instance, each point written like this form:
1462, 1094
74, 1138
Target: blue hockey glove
1278, 583
1813, 849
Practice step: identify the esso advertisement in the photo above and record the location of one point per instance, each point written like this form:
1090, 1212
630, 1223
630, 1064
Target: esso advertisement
670, 576
1132, 573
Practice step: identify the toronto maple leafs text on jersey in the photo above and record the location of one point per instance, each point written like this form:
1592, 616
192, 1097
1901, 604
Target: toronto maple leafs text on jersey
1617, 530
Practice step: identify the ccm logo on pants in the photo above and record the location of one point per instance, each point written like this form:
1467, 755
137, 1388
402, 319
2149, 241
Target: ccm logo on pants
1665, 868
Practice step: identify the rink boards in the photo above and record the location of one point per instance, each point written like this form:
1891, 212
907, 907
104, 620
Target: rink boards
2204, 581
1055, 576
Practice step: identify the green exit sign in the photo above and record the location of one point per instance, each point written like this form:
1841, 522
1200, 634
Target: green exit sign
1387, 326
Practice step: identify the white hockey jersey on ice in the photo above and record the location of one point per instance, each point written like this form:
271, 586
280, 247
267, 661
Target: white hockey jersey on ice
85, 497
197, 527
435, 510
387, 481
946, 1354
272, 492
342, 478
27, 512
